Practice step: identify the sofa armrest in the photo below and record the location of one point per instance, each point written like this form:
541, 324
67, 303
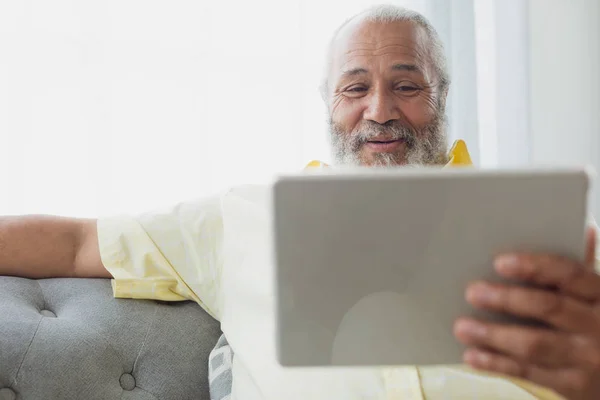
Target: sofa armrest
70, 339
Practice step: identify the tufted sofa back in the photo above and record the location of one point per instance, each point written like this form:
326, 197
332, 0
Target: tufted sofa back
70, 339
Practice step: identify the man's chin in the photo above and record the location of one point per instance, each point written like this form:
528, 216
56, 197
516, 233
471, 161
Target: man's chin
373, 159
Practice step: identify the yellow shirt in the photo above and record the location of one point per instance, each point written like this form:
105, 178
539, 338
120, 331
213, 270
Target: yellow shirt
214, 252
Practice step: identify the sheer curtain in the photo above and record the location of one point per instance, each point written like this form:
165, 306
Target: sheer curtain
565, 84
119, 106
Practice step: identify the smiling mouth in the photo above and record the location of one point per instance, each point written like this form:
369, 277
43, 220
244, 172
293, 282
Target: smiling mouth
384, 141
385, 146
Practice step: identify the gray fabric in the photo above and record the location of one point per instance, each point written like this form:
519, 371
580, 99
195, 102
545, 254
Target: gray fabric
89, 345
220, 376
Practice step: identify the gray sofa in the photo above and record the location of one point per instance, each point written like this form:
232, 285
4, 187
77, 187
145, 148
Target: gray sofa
70, 339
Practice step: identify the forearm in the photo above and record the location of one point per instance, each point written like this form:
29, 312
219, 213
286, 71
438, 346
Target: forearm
39, 246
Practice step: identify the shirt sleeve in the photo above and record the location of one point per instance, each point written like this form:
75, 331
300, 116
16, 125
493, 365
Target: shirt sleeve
171, 255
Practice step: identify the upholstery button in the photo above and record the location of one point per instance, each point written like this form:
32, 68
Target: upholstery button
7, 394
48, 313
127, 382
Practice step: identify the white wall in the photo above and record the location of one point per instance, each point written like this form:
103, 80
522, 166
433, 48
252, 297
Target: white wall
110, 106
121, 106
565, 83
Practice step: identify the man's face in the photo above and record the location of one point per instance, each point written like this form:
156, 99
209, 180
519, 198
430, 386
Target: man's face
384, 104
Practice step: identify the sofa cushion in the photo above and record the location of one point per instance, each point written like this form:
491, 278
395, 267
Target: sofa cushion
70, 339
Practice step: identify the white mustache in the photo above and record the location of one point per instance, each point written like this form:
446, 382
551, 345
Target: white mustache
393, 132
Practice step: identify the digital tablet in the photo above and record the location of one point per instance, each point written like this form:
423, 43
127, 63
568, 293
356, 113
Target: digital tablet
372, 265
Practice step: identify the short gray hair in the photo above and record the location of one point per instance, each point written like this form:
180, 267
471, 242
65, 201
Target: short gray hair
390, 13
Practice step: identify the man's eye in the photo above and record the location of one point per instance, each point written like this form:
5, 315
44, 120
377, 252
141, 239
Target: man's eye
407, 88
356, 89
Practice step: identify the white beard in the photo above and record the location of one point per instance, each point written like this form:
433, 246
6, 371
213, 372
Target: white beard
426, 147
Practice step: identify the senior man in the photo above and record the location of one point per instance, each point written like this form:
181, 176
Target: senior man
385, 90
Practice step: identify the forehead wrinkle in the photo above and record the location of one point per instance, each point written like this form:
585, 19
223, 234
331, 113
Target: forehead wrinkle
411, 50
377, 50
404, 39
352, 55
374, 45
406, 55
383, 40
345, 66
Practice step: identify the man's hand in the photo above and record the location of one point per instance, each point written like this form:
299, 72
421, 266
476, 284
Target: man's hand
565, 357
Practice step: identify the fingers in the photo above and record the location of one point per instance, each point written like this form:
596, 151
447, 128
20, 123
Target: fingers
529, 346
568, 276
554, 308
568, 382
488, 360
565, 358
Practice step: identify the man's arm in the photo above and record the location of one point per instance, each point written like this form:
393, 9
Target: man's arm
39, 246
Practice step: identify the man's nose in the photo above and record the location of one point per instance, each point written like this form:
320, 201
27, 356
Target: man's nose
381, 108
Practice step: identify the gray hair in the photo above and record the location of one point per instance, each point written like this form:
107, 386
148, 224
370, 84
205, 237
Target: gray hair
391, 13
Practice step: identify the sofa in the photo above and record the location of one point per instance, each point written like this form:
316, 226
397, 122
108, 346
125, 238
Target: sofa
70, 339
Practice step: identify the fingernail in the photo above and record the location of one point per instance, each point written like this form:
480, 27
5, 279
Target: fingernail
507, 263
471, 328
482, 293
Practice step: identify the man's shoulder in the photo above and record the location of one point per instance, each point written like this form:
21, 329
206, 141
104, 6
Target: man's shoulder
250, 188
258, 194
